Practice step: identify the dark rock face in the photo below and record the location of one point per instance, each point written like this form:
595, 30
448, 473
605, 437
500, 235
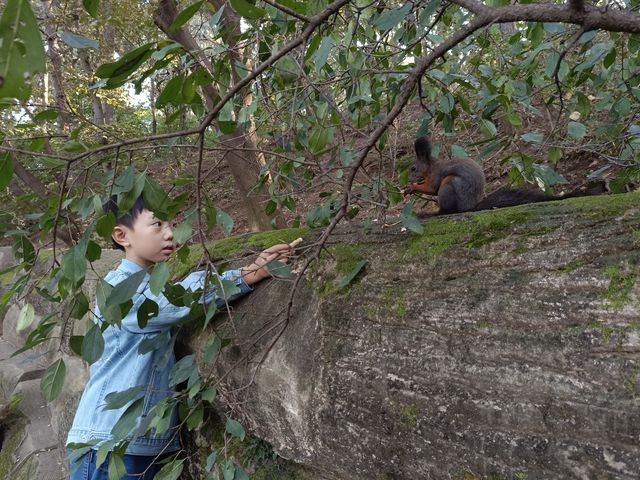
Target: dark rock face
504, 343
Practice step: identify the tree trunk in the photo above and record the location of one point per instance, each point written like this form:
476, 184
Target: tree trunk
56, 64
243, 164
502, 343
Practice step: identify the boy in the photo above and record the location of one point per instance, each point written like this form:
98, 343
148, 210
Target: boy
146, 241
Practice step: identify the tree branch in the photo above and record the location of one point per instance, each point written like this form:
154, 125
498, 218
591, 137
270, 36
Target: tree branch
590, 18
287, 10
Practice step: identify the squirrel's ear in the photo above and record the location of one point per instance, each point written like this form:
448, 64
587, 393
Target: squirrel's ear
423, 149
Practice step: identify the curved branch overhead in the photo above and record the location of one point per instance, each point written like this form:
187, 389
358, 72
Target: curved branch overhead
575, 11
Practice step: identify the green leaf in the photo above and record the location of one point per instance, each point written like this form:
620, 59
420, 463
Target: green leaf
610, 58
247, 10
117, 468
78, 41
209, 394
195, 418
91, 6
126, 289
80, 305
229, 471
152, 343
322, 54
320, 137
213, 347
24, 251
514, 118
45, 115
211, 460
128, 419
146, 312
391, 18
73, 146
547, 176
117, 400
21, 49
234, 428
25, 318
182, 370
119, 70
213, 21
225, 222
182, 232
103, 450
52, 380
348, 278
488, 128
185, 15
576, 130
6, 170
555, 154
171, 471
171, 92
533, 137
240, 474
74, 265
279, 269
92, 344
93, 251
159, 277
105, 225
447, 102
458, 152
410, 221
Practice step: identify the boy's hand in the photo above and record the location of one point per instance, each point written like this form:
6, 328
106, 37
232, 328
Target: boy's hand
258, 270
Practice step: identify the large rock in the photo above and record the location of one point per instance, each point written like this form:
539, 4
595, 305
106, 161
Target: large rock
501, 343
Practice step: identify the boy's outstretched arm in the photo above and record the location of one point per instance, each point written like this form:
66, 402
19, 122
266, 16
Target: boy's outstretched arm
257, 270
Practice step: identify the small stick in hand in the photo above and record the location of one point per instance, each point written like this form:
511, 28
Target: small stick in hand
296, 242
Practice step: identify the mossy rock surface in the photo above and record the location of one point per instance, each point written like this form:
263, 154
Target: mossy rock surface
498, 344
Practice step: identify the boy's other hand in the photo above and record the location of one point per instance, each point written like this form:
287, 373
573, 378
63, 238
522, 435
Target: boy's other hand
258, 270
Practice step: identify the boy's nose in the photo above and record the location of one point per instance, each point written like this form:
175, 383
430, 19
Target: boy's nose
168, 231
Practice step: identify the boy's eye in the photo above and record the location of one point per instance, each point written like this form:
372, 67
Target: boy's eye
158, 223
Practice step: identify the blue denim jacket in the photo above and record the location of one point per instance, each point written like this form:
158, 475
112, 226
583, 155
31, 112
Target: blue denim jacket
121, 367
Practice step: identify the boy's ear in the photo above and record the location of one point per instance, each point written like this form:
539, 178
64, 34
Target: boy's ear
119, 235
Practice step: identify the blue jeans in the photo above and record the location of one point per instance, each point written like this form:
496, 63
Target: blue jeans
85, 467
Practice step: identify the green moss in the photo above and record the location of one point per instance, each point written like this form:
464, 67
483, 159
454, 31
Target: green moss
572, 266
630, 382
13, 433
346, 257
606, 331
439, 236
480, 229
620, 285
408, 414
262, 240
601, 206
464, 473
484, 324
394, 303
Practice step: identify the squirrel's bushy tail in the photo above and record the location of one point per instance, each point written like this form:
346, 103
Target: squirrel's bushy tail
509, 197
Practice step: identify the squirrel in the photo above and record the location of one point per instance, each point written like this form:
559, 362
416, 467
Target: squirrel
459, 184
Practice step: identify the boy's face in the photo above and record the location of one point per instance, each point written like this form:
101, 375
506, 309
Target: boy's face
149, 241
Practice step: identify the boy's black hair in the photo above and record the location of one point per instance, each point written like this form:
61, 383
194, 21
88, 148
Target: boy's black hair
128, 218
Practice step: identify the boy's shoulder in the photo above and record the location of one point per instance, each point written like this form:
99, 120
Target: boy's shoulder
124, 269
